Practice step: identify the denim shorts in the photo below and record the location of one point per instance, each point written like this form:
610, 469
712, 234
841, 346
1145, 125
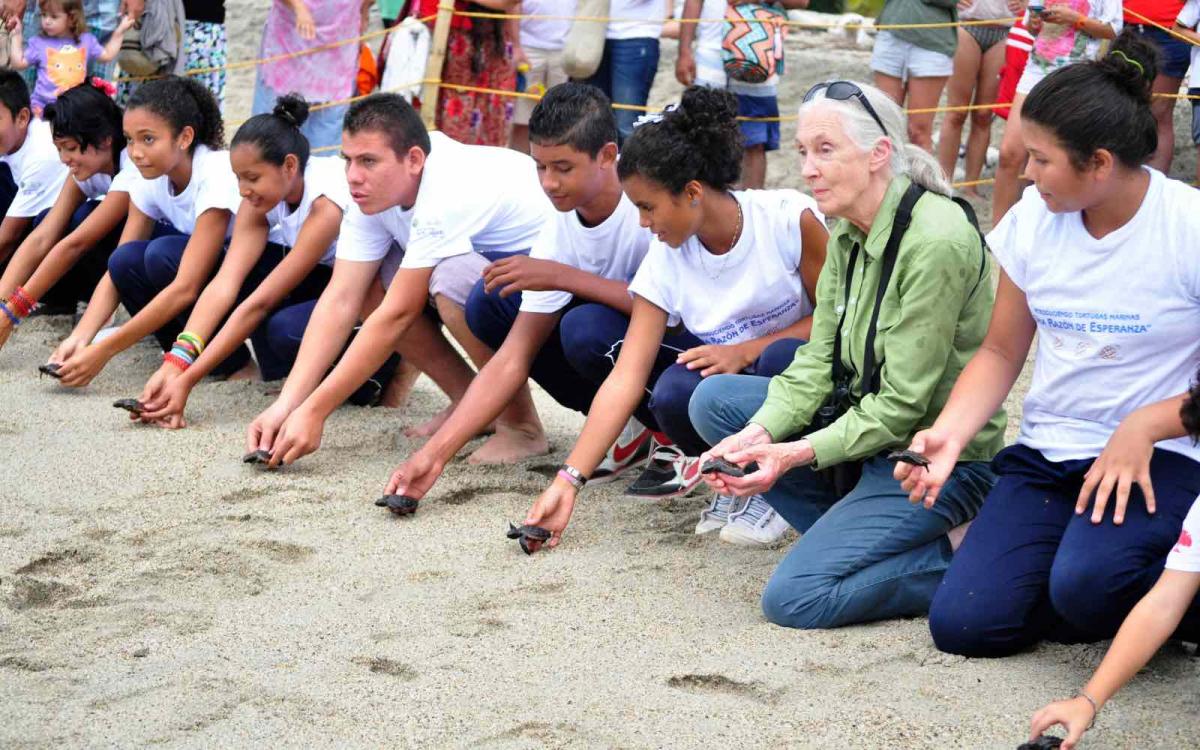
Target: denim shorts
900, 59
765, 134
1176, 53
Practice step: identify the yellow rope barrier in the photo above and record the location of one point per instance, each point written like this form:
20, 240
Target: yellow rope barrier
788, 22
1159, 26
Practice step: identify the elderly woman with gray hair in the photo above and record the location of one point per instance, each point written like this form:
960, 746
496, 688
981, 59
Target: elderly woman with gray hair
903, 302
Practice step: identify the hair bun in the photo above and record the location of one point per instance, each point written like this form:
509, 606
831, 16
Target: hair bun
705, 109
1132, 64
292, 109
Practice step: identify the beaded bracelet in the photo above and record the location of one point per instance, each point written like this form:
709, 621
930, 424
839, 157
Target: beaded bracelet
22, 303
174, 359
4, 306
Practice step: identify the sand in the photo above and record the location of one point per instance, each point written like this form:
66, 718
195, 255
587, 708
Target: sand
153, 590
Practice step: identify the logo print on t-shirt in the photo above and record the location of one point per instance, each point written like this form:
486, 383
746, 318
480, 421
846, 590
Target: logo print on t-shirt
1185, 540
65, 66
1109, 352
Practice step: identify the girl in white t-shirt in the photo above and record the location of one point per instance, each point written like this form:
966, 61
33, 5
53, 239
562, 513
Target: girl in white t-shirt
179, 219
1098, 259
738, 270
1157, 617
278, 262
1066, 32
65, 256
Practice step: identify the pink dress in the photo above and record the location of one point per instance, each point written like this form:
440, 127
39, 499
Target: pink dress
323, 76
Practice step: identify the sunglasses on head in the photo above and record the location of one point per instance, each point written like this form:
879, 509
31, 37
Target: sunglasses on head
841, 91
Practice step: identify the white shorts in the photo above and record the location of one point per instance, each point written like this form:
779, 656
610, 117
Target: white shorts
1032, 76
545, 68
452, 277
900, 59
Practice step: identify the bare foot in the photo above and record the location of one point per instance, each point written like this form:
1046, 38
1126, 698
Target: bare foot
956, 535
399, 388
510, 445
249, 371
972, 195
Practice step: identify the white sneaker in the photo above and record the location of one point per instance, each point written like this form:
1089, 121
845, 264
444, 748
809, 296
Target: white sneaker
632, 448
755, 525
717, 514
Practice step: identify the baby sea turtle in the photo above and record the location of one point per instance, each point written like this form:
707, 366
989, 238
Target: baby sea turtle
1045, 742
401, 505
131, 405
51, 369
526, 534
721, 466
909, 457
257, 457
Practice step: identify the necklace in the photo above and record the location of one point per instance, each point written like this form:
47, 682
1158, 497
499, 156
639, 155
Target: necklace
737, 234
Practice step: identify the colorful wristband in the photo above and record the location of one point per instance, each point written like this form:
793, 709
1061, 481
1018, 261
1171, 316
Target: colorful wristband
572, 476
193, 339
22, 298
174, 359
4, 306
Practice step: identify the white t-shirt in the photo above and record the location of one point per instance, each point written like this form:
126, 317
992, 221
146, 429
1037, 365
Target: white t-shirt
372, 238
474, 198
37, 171
1189, 17
651, 13
213, 185
1185, 555
1117, 317
753, 290
100, 184
323, 176
613, 249
545, 34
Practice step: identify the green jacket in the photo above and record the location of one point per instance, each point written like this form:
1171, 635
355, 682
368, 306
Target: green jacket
944, 39
934, 316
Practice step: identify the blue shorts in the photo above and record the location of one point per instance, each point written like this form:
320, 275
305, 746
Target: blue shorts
1176, 53
765, 134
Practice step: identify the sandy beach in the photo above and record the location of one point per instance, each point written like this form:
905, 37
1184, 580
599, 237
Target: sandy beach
154, 590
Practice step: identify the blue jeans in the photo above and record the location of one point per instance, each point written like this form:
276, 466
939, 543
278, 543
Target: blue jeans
870, 555
1030, 569
625, 74
323, 126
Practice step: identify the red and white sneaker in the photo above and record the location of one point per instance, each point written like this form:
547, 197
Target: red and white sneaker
632, 448
669, 473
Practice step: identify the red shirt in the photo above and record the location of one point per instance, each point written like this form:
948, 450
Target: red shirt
1159, 11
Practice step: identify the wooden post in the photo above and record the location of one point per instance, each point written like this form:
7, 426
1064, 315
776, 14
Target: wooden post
437, 58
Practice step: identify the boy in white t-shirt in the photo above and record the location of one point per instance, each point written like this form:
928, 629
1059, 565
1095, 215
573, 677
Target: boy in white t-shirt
540, 50
1185, 25
1151, 622
33, 175
452, 208
584, 258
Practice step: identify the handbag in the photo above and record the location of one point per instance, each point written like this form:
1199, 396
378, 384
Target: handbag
752, 48
132, 59
584, 47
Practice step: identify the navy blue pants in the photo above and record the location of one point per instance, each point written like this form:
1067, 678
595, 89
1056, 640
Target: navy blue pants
80, 281
142, 269
1030, 569
582, 351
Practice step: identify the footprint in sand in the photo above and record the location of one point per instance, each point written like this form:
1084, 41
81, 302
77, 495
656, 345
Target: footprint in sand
389, 667
540, 732
56, 559
717, 684
284, 552
245, 494
34, 593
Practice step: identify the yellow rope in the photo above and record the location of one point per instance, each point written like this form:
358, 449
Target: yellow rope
788, 22
1172, 32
